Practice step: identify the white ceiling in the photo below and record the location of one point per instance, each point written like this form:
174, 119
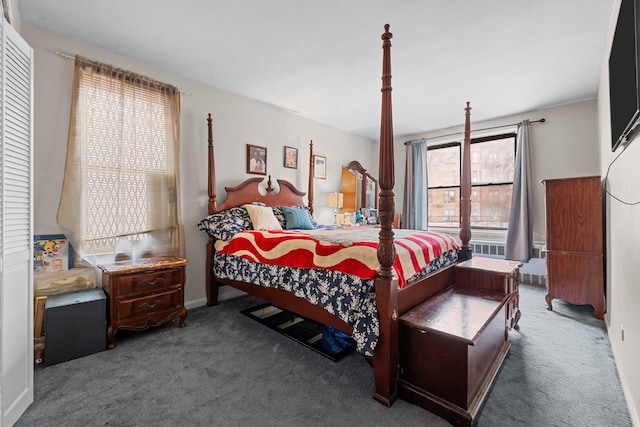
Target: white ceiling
323, 59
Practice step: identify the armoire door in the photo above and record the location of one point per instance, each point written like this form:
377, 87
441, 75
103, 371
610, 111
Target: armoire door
16, 226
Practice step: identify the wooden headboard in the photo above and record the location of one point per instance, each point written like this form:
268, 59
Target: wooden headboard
249, 192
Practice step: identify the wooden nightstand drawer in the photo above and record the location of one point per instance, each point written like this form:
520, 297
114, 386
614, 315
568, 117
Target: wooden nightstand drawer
144, 283
130, 308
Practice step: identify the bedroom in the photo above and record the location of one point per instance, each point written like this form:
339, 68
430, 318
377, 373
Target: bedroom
560, 143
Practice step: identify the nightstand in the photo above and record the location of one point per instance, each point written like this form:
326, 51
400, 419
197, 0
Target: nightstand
143, 293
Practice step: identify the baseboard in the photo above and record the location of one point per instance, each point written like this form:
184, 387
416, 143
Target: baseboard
626, 390
226, 293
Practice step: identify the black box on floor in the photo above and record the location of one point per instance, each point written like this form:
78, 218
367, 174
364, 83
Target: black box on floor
74, 325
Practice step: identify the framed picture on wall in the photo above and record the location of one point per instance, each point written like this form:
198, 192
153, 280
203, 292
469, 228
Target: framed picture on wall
320, 167
256, 159
290, 157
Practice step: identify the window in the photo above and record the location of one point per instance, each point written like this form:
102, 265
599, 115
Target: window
125, 149
449, 214
449, 196
475, 214
492, 169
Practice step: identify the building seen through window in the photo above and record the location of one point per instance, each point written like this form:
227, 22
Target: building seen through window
492, 169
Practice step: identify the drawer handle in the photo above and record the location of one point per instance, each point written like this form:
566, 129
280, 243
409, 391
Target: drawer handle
150, 282
154, 305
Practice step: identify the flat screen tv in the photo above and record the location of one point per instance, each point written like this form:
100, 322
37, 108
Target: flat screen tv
624, 80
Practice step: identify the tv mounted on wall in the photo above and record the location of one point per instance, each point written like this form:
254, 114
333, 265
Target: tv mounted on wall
624, 77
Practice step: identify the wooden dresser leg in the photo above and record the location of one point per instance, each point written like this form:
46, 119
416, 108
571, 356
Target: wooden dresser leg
516, 317
183, 317
111, 338
548, 298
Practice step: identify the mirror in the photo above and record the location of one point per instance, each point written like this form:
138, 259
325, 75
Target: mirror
359, 188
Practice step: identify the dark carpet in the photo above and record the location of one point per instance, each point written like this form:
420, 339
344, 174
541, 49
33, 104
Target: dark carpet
224, 369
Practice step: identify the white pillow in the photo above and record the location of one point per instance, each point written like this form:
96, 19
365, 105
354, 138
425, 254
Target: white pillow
262, 218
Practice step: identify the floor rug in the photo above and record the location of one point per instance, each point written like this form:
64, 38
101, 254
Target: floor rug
304, 331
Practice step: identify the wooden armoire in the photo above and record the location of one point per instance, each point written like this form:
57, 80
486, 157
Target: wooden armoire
574, 250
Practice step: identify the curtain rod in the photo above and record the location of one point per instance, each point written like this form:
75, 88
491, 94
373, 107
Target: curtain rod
66, 56
477, 130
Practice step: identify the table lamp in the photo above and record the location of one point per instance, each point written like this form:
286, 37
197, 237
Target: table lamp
335, 202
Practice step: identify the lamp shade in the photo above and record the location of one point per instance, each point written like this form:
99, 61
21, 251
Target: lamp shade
335, 200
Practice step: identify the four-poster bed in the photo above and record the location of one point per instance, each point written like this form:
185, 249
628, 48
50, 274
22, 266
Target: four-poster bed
391, 297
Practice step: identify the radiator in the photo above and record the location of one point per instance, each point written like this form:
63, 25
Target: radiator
533, 272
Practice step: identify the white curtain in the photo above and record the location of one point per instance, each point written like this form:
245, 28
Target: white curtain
520, 233
414, 210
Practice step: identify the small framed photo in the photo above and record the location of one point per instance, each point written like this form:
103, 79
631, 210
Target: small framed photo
290, 157
256, 159
373, 216
320, 167
347, 218
52, 252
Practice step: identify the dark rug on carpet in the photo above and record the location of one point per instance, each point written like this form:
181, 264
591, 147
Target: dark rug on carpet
302, 330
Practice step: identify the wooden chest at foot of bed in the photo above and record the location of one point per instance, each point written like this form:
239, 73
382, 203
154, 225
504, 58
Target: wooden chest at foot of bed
451, 348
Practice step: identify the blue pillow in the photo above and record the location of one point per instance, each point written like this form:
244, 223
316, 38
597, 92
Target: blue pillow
306, 209
296, 219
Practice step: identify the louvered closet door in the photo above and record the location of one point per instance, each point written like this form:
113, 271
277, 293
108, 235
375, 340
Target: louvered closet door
16, 241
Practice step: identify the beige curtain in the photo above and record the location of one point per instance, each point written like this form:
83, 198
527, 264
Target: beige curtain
120, 192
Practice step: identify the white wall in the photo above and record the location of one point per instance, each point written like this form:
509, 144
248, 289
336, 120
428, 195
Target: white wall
622, 237
237, 121
566, 145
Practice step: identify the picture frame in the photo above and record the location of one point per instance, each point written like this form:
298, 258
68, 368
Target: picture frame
256, 159
319, 167
373, 217
52, 252
290, 157
347, 218
38, 315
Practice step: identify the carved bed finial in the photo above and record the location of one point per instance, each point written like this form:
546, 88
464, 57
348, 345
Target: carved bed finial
386, 35
269, 186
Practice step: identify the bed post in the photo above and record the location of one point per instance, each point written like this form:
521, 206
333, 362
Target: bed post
211, 286
310, 182
465, 190
385, 360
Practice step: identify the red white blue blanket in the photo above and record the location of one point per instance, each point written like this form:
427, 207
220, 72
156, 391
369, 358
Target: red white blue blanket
351, 250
